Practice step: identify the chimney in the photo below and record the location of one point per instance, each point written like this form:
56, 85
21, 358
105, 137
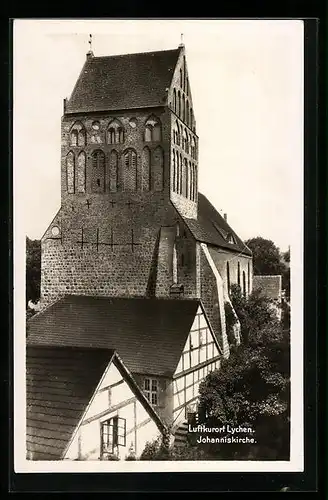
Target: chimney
225, 217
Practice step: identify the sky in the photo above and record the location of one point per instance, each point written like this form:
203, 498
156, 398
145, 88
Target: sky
246, 81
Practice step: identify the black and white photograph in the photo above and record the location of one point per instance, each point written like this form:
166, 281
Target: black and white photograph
158, 255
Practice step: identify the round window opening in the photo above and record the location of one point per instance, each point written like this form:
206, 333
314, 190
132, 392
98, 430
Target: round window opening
95, 125
55, 231
133, 123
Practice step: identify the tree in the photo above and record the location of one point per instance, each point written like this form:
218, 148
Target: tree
252, 387
33, 270
266, 256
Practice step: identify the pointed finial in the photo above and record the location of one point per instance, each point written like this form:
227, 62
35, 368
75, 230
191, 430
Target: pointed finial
181, 43
90, 53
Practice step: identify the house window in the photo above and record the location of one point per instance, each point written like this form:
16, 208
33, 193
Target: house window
113, 434
151, 390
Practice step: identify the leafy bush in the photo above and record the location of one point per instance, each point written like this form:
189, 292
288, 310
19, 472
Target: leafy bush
231, 320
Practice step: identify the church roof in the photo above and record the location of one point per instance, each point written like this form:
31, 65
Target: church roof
123, 82
59, 384
210, 227
137, 328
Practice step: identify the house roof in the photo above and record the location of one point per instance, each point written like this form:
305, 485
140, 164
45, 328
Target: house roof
123, 82
270, 286
210, 227
59, 383
137, 328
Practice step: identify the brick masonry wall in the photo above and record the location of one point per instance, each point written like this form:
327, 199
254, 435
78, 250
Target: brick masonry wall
221, 257
209, 296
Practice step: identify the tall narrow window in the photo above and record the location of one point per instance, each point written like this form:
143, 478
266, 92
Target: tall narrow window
190, 181
178, 134
81, 162
74, 134
113, 171
191, 120
130, 170
181, 79
228, 277
98, 171
179, 104
248, 279
238, 274
187, 114
178, 174
181, 175
175, 265
183, 105
174, 100
174, 173
70, 172
185, 178
186, 141
158, 169
244, 283
145, 173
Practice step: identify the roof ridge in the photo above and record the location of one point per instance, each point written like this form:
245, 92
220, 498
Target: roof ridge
134, 54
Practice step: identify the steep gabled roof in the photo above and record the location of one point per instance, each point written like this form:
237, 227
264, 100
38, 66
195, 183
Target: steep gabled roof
123, 82
59, 383
148, 334
210, 227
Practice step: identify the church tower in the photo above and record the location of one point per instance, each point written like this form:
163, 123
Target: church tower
128, 175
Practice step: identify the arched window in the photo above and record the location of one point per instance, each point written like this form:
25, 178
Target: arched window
187, 86
98, 171
70, 172
228, 277
193, 148
187, 114
238, 274
179, 104
174, 100
183, 105
145, 172
158, 169
77, 135
115, 132
113, 171
81, 165
181, 78
191, 120
244, 283
174, 173
129, 170
190, 178
153, 130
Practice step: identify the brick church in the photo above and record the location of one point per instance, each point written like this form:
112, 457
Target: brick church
136, 260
